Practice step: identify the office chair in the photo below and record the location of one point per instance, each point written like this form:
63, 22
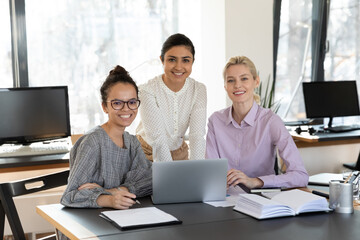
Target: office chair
21, 187
353, 166
276, 166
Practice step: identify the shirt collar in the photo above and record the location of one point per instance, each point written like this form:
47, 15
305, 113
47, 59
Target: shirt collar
169, 91
249, 118
229, 117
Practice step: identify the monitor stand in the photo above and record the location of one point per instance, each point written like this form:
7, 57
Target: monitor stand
329, 127
341, 128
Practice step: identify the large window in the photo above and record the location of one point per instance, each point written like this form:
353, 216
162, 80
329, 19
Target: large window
6, 79
300, 45
342, 61
294, 57
76, 43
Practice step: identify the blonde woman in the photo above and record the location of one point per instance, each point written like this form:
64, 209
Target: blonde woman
249, 135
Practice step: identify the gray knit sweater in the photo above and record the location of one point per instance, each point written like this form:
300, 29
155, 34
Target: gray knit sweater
95, 158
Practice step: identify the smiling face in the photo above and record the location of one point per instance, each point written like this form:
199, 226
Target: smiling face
124, 117
177, 64
240, 84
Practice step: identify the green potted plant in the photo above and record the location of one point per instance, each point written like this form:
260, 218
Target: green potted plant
267, 96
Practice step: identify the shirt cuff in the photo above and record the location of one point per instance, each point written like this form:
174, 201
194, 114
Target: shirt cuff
130, 187
268, 181
93, 197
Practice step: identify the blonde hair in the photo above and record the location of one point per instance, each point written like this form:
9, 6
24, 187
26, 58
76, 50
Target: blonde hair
247, 62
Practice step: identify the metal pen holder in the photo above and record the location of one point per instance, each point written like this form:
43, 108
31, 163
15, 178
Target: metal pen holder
341, 196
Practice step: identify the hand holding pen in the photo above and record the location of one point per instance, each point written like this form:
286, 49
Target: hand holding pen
132, 197
119, 198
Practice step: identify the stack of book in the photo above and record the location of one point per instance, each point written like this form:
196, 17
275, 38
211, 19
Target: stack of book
280, 204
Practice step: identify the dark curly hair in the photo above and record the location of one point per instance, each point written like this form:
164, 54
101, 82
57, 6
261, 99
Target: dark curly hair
116, 75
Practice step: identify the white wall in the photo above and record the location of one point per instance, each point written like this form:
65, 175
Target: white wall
213, 52
329, 158
204, 24
248, 26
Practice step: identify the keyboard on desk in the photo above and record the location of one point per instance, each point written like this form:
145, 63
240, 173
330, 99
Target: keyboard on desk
39, 148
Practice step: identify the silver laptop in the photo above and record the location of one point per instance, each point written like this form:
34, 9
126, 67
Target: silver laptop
189, 181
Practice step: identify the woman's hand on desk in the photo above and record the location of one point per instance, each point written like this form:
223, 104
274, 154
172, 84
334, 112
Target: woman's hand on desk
235, 177
119, 199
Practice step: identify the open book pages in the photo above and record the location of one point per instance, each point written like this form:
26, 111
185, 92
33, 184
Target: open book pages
285, 203
232, 195
139, 217
229, 201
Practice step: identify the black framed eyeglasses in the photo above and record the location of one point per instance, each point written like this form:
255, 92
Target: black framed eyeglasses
132, 104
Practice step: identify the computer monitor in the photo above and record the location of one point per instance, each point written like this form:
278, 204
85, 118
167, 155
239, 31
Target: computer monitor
34, 114
331, 99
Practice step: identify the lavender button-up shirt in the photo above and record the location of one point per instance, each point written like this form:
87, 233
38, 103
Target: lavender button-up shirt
251, 146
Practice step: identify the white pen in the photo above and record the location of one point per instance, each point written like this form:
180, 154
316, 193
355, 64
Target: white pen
137, 201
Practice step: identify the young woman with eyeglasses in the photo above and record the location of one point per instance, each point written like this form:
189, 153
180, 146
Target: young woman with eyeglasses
108, 167
173, 103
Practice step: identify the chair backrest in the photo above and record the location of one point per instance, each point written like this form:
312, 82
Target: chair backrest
357, 164
22, 187
353, 166
276, 166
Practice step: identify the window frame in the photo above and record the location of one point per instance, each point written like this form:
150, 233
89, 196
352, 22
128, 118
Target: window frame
320, 14
19, 43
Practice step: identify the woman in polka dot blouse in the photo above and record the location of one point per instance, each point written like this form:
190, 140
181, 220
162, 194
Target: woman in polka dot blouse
172, 103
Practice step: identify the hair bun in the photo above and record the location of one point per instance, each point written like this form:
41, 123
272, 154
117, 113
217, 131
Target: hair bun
118, 70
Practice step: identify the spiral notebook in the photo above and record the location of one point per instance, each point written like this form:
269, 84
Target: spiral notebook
139, 218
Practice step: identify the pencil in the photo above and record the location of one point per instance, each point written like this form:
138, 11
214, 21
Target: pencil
347, 179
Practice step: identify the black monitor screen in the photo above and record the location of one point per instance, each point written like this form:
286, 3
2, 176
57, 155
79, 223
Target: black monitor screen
34, 114
331, 99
